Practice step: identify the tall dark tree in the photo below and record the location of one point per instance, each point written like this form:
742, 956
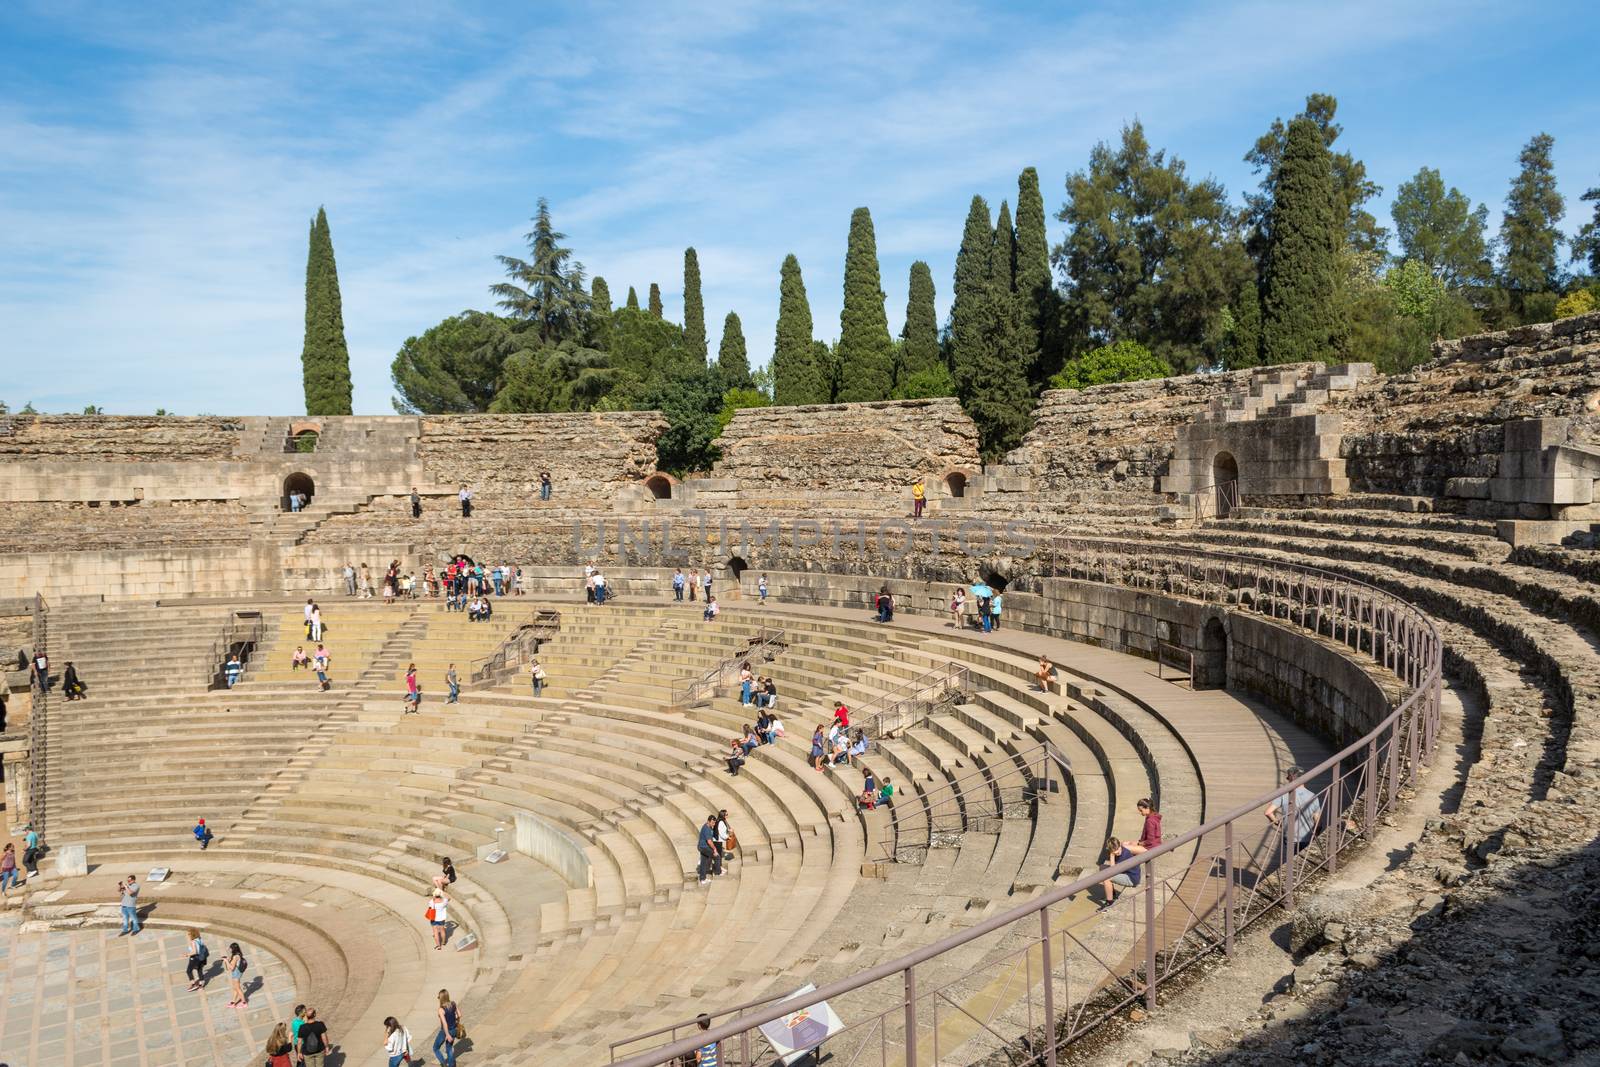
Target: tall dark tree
865, 354
655, 301
1244, 342
1300, 315
633, 299
732, 358
1358, 229
546, 291
919, 350
1036, 303
969, 296
1440, 229
986, 357
694, 306
1586, 246
599, 314
324, 358
797, 378
1529, 236
1149, 255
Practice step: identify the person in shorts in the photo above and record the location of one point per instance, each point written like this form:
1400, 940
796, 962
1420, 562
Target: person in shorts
1116, 852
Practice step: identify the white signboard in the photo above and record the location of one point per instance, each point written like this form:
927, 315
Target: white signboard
794, 1035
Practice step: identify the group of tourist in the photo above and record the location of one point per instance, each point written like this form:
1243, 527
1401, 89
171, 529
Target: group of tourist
301, 1042
717, 844
298, 500
459, 579
38, 667
988, 605
11, 868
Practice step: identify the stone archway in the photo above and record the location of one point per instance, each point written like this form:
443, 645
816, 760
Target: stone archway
660, 486
298, 482
1225, 470
737, 566
1211, 667
955, 483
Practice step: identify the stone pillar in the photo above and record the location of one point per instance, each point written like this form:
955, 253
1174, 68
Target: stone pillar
554, 847
19, 776
72, 861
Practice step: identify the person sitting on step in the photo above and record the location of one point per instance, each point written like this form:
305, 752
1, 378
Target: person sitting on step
299, 661
202, 834
867, 800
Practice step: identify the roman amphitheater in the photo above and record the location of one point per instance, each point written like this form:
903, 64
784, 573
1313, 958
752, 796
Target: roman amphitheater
1387, 582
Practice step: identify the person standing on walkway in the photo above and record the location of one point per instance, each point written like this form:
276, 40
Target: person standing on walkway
465, 496
396, 1041
311, 1041
30, 851
919, 497
536, 674
129, 889
761, 587
452, 682
8, 869
311, 605
316, 622
280, 1050
994, 609
707, 847
986, 613
438, 915
694, 581
449, 1027
235, 966
349, 580
416, 503
677, 584
705, 583
198, 955
958, 609
545, 485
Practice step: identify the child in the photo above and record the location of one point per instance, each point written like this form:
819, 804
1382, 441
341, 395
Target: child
868, 800
202, 834
886, 791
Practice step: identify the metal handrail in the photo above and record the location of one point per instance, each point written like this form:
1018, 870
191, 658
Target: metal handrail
766, 643
244, 629
1179, 656
1366, 780
907, 704
38, 737
960, 803
1209, 501
545, 625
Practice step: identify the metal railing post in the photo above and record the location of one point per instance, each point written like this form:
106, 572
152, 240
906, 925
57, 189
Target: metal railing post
911, 1017
1229, 920
1287, 849
1150, 935
1049, 990
1372, 786
1335, 821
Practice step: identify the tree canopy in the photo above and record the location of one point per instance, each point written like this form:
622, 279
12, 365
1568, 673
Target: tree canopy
1300, 308
324, 357
545, 291
1441, 230
732, 358
1530, 238
797, 378
864, 354
1124, 361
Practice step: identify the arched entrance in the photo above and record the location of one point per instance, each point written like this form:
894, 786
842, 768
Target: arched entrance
297, 483
955, 483
1225, 478
737, 566
994, 579
660, 486
1212, 668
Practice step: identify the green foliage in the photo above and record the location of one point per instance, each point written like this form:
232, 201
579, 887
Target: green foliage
1441, 230
655, 301
452, 367
1124, 361
1237, 341
694, 307
1586, 246
919, 350
797, 379
1529, 237
826, 359
1577, 302
1417, 292
160, 412
692, 403
633, 299
324, 358
732, 358
929, 382
737, 398
600, 314
987, 360
93, 409
306, 442
647, 349
1150, 256
969, 306
866, 358
545, 378
545, 291
28, 409
1036, 295
1300, 315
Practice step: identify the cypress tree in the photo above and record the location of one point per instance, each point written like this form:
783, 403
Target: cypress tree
865, 353
999, 398
600, 314
1244, 347
1005, 249
920, 350
324, 359
694, 308
1528, 233
1035, 294
655, 302
1300, 278
796, 375
969, 296
732, 359
633, 299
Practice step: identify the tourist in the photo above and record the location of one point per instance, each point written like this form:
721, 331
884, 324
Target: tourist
735, 756
299, 661
316, 623
416, 503
986, 612
297, 1022
764, 728
886, 791
994, 609
236, 965
775, 727
713, 609
885, 605
232, 670
199, 953
349, 580
545, 485
498, 577
279, 1047
517, 581
958, 609
769, 690
599, 587
1307, 810
1116, 852
310, 606
841, 716
858, 747
1044, 674
677, 584
311, 1041
30, 851
867, 799
727, 840
294, 500
588, 582
707, 847
319, 663
446, 875
537, 674
438, 914
818, 749
747, 682
761, 587
396, 1038
430, 582
708, 1055
449, 1027
4, 698
391, 581
8, 869
129, 890
71, 684
366, 582
694, 582
203, 835
752, 740
413, 691
1150, 834
408, 587
41, 670
705, 583
919, 497
452, 682
465, 496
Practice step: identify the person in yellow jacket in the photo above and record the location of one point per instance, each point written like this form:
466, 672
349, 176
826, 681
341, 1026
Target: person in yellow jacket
919, 497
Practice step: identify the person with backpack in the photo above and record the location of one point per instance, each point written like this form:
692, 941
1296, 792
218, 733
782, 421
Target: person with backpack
199, 955
311, 1040
450, 1030
236, 965
396, 1038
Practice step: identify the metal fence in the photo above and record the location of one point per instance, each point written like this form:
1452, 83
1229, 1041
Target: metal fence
241, 634
1216, 501
909, 703
517, 648
766, 644
975, 801
1038, 976
38, 737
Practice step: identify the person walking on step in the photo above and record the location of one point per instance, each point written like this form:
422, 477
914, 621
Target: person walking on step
8, 869
465, 496
203, 835
536, 673
438, 916
199, 955
677, 583
30, 851
761, 588
396, 1042
232, 670
416, 503
311, 1041
450, 1030
41, 670
413, 691
71, 685
707, 847
545, 485
319, 663
919, 497
349, 580
129, 890
819, 748
452, 682
599, 587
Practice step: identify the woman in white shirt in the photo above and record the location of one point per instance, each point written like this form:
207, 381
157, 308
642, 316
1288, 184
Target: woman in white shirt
396, 1042
440, 906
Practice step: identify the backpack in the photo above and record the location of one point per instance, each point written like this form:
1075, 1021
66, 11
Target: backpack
201, 952
244, 965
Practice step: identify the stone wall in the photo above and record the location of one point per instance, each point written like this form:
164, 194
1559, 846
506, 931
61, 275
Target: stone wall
118, 438
845, 454
129, 573
591, 456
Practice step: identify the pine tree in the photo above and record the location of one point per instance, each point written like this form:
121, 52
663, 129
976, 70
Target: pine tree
1300, 283
732, 359
865, 354
968, 305
655, 302
600, 314
1528, 233
546, 291
1036, 297
324, 359
694, 308
1586, 246
796, 376
920, 351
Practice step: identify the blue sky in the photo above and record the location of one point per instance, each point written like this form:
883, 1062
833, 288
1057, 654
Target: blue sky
160, 162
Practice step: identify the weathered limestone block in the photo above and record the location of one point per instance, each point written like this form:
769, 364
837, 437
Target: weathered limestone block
118, 438
590, 455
